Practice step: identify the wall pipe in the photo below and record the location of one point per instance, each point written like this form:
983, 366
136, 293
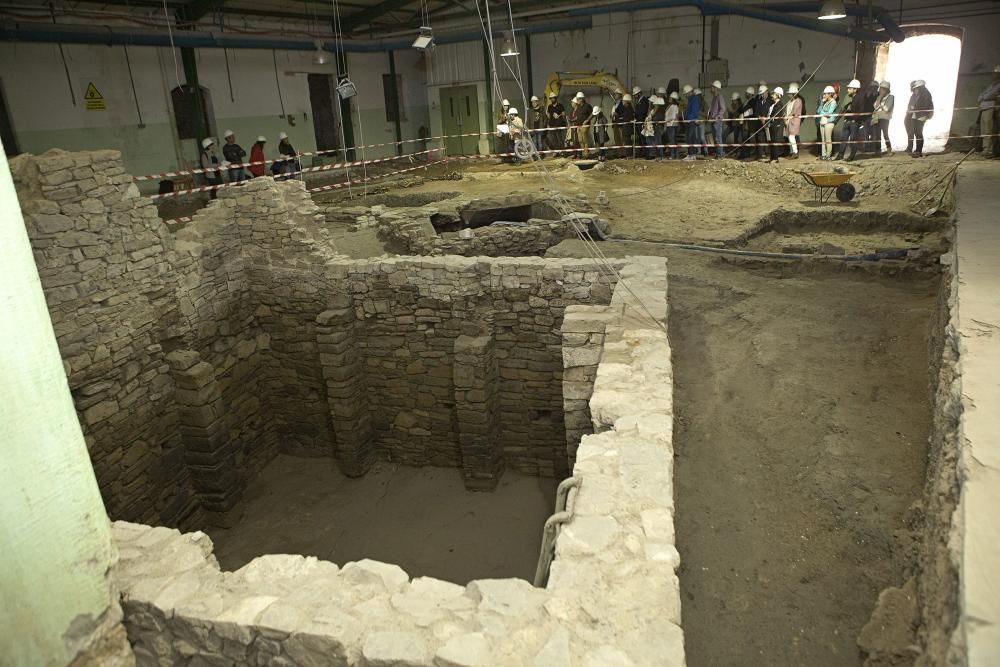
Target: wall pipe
881, 14
550, 529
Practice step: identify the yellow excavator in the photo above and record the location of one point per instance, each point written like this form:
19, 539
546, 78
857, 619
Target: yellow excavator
603, 80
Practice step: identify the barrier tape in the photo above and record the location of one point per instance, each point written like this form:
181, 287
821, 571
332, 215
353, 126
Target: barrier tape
487, 133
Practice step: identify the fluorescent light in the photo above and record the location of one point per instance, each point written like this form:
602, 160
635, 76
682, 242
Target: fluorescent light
509, 49
833, 9
425, 40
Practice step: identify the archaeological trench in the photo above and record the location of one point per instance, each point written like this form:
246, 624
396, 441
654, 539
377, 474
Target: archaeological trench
503, 412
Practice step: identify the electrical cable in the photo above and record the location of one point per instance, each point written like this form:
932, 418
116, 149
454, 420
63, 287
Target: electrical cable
173, 49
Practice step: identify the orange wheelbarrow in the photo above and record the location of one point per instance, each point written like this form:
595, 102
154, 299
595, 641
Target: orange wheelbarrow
828, 183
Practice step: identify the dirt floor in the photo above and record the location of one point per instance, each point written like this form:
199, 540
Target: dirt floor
802, 418
421, 519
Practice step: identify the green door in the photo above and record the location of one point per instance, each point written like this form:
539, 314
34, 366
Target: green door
459, 116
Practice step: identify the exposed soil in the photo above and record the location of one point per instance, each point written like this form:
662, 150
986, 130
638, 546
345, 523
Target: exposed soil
800, 438
421, 519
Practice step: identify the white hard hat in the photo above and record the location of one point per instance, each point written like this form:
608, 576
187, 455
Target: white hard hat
762, 88
227, 134
996, 70
919, 82
626, 98
659, 101
512, 111
688, 88
282, 135
749, 90
552, 95
505, 102
913, 84
830, 90
779, 91
886, 85
579, 95
534, 98
596, 111
854, 84
697, 91
736, 96
717, 84
206, 142
261, 139
636, 90
674, 96
661, 91
793, 88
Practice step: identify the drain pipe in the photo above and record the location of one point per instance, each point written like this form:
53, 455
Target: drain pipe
550, 531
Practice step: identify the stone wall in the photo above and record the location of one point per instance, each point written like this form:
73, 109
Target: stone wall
612, 596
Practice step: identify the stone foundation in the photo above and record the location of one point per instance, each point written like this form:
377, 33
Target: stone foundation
612, 596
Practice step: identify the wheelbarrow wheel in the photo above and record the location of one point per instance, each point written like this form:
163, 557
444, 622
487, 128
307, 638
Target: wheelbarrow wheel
845, 192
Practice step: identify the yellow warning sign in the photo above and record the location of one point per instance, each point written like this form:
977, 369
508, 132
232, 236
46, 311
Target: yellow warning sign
93, 99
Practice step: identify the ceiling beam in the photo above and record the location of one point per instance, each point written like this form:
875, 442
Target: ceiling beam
352, 22
197, 9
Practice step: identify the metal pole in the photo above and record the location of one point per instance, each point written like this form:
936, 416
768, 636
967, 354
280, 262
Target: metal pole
395, 101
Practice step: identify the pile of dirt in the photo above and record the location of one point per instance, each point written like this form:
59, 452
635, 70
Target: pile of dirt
759, 175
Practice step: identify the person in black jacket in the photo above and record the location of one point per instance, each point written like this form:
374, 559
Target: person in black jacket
623, 116
234, 154
641, 104
290, 165
849, 135
555, 112
920, 110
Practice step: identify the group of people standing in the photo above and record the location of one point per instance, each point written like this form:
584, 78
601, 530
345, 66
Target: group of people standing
235, 163
765, 125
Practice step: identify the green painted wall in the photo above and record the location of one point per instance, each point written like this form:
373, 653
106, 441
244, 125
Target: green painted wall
55, 545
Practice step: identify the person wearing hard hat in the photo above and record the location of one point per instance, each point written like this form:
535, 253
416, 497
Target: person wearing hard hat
761, 106
515, 123
623, 120
908, 122
586, 131
746, 126
257, 156
289, 164
793, 120
641, 103
734, 122
989, 101
210, 164
536, 119
717, 116
658, 114
827, 114
555, 112
921, 110
599, 125
881, 115
692, 113
233, 153
775, 127
670, 120
849, 109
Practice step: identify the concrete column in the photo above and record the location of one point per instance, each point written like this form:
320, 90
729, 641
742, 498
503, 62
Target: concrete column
343, 371
209, 454
477, 405
583, 330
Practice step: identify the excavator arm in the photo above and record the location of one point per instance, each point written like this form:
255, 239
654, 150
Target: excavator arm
602, 80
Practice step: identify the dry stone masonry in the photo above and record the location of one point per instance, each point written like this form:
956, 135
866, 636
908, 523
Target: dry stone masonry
612, 596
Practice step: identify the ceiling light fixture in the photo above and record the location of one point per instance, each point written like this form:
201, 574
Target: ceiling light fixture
832, 9
509, 46
425, 40
320, 57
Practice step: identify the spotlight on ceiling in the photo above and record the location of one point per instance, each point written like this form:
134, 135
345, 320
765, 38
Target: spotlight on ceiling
425, 40
320, 57
832, 9
509, 46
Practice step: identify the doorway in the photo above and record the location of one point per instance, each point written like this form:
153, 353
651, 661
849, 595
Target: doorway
459, 117
321, 94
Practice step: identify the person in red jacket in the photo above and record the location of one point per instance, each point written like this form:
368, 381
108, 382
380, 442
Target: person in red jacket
257, 157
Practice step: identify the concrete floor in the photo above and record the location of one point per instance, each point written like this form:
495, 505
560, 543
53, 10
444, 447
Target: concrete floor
421, 519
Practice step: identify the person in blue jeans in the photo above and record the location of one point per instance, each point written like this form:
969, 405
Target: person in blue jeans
234, 155
692, 113
850, 134
670, 120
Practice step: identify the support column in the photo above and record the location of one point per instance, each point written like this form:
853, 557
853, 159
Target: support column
477, 405
343, 371
209, 454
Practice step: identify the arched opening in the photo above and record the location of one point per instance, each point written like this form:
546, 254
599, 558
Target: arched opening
931, 53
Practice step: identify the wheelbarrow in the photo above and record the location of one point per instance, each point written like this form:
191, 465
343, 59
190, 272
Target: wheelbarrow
828, 183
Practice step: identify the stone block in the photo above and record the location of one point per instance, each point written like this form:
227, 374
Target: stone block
395, 649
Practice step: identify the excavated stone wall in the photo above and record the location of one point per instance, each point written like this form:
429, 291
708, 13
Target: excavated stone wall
612, 597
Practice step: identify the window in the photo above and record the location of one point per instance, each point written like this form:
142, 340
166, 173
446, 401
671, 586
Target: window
392, 86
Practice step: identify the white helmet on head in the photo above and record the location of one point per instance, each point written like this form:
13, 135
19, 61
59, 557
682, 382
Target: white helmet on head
779, 91
736, 96
996, 70
749, 90
659, 101
261, 139
505, 103
717, 84
227, 134
636, 90
553, 95
687, 88
829, 90
854, 84
534, 98
793, 88
282, 135
206, 142
579, 95
886, 85
919, 83
512, 111
626, 98
761, 89
697, 91
675, 96
661, 91
596, 111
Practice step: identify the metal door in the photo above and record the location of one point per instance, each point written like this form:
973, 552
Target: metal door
459, 117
